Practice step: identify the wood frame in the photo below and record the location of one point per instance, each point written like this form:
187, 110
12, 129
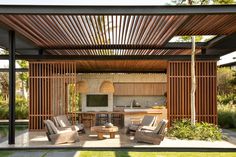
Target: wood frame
49, 91
179, 86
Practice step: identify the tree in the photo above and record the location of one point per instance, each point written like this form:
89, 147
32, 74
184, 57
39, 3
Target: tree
4, 81
4, 85
225, 80
193, 82
24, 78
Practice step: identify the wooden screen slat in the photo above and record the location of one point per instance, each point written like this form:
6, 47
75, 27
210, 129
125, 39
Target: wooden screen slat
179, 88
48, 91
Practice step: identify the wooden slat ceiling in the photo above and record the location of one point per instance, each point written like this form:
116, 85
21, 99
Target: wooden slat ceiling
116, 65
124, 66
48, 31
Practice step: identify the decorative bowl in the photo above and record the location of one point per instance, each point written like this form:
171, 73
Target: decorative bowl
108, 125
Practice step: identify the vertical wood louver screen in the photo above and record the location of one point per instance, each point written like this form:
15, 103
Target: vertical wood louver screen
179, 88
52, 92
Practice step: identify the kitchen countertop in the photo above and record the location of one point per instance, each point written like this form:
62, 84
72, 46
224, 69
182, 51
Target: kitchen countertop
129, 111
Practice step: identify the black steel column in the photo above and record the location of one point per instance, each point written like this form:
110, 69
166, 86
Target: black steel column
12, 90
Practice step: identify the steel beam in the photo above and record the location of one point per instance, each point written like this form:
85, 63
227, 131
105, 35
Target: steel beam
17, 70
174, 45
12, 90
117, 10
111, 57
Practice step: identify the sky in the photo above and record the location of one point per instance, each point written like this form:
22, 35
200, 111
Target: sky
224, 59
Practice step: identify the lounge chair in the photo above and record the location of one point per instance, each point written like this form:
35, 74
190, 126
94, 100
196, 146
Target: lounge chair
146, 121
62, 121
151, 136
59, 136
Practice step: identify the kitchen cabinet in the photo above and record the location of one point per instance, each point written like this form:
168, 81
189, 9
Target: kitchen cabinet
139, 89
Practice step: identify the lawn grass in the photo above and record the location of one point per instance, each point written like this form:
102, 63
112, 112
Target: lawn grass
5, 153
153, 154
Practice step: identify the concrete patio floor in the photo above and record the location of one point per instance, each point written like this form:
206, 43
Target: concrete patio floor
27, 139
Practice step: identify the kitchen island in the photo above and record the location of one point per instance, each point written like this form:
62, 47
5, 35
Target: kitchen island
137, 114
119, 118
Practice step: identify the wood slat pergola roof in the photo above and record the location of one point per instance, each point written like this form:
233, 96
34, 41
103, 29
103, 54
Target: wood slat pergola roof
124, 30
92, 31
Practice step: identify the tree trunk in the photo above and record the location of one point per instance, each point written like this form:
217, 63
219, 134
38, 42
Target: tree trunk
193, 82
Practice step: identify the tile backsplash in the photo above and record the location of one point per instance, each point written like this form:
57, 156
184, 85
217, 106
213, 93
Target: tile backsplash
143, 101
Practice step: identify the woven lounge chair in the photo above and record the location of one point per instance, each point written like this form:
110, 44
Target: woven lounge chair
59, 136
151, 136
62, 121
146, 121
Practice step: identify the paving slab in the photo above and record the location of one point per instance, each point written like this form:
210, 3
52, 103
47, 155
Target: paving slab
231, 135
62, 154
28, 154
45, 154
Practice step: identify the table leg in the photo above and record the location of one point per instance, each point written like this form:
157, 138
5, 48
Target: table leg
112, 134
100, 135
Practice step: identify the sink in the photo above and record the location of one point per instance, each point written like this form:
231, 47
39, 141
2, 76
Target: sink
135, 109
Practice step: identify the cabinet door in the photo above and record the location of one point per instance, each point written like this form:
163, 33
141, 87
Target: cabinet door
159, 88
140, 89
124, 88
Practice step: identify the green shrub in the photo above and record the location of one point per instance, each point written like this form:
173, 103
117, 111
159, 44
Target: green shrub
226, 99
227, 116
3, 109
182, 129
21, 108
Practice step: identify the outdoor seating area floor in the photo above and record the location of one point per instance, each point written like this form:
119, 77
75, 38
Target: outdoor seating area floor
121, 140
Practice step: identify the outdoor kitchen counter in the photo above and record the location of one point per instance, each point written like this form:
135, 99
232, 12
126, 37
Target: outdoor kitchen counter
90, 118
131, 114
127, 111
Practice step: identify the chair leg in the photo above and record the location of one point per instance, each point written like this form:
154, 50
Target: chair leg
128, 131
83, 131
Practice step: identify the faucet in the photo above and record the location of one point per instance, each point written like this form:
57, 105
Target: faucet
133, 103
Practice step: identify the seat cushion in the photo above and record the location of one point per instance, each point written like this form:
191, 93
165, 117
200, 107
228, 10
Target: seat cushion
148, 120
158, 127
63, 121
77, 127
48, 127
53, 127
162, 129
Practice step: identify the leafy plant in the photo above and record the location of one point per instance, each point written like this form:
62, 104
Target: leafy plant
21, 108
182, 129
226, 99
227, 116
225, 77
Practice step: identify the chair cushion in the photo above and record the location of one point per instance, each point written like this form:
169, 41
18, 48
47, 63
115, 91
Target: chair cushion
158, 127
148, 120
77, 127
56, 122
162, 129
63, 121
48, 127
51, 125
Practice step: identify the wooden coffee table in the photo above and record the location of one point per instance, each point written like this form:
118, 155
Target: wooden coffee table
100, 130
